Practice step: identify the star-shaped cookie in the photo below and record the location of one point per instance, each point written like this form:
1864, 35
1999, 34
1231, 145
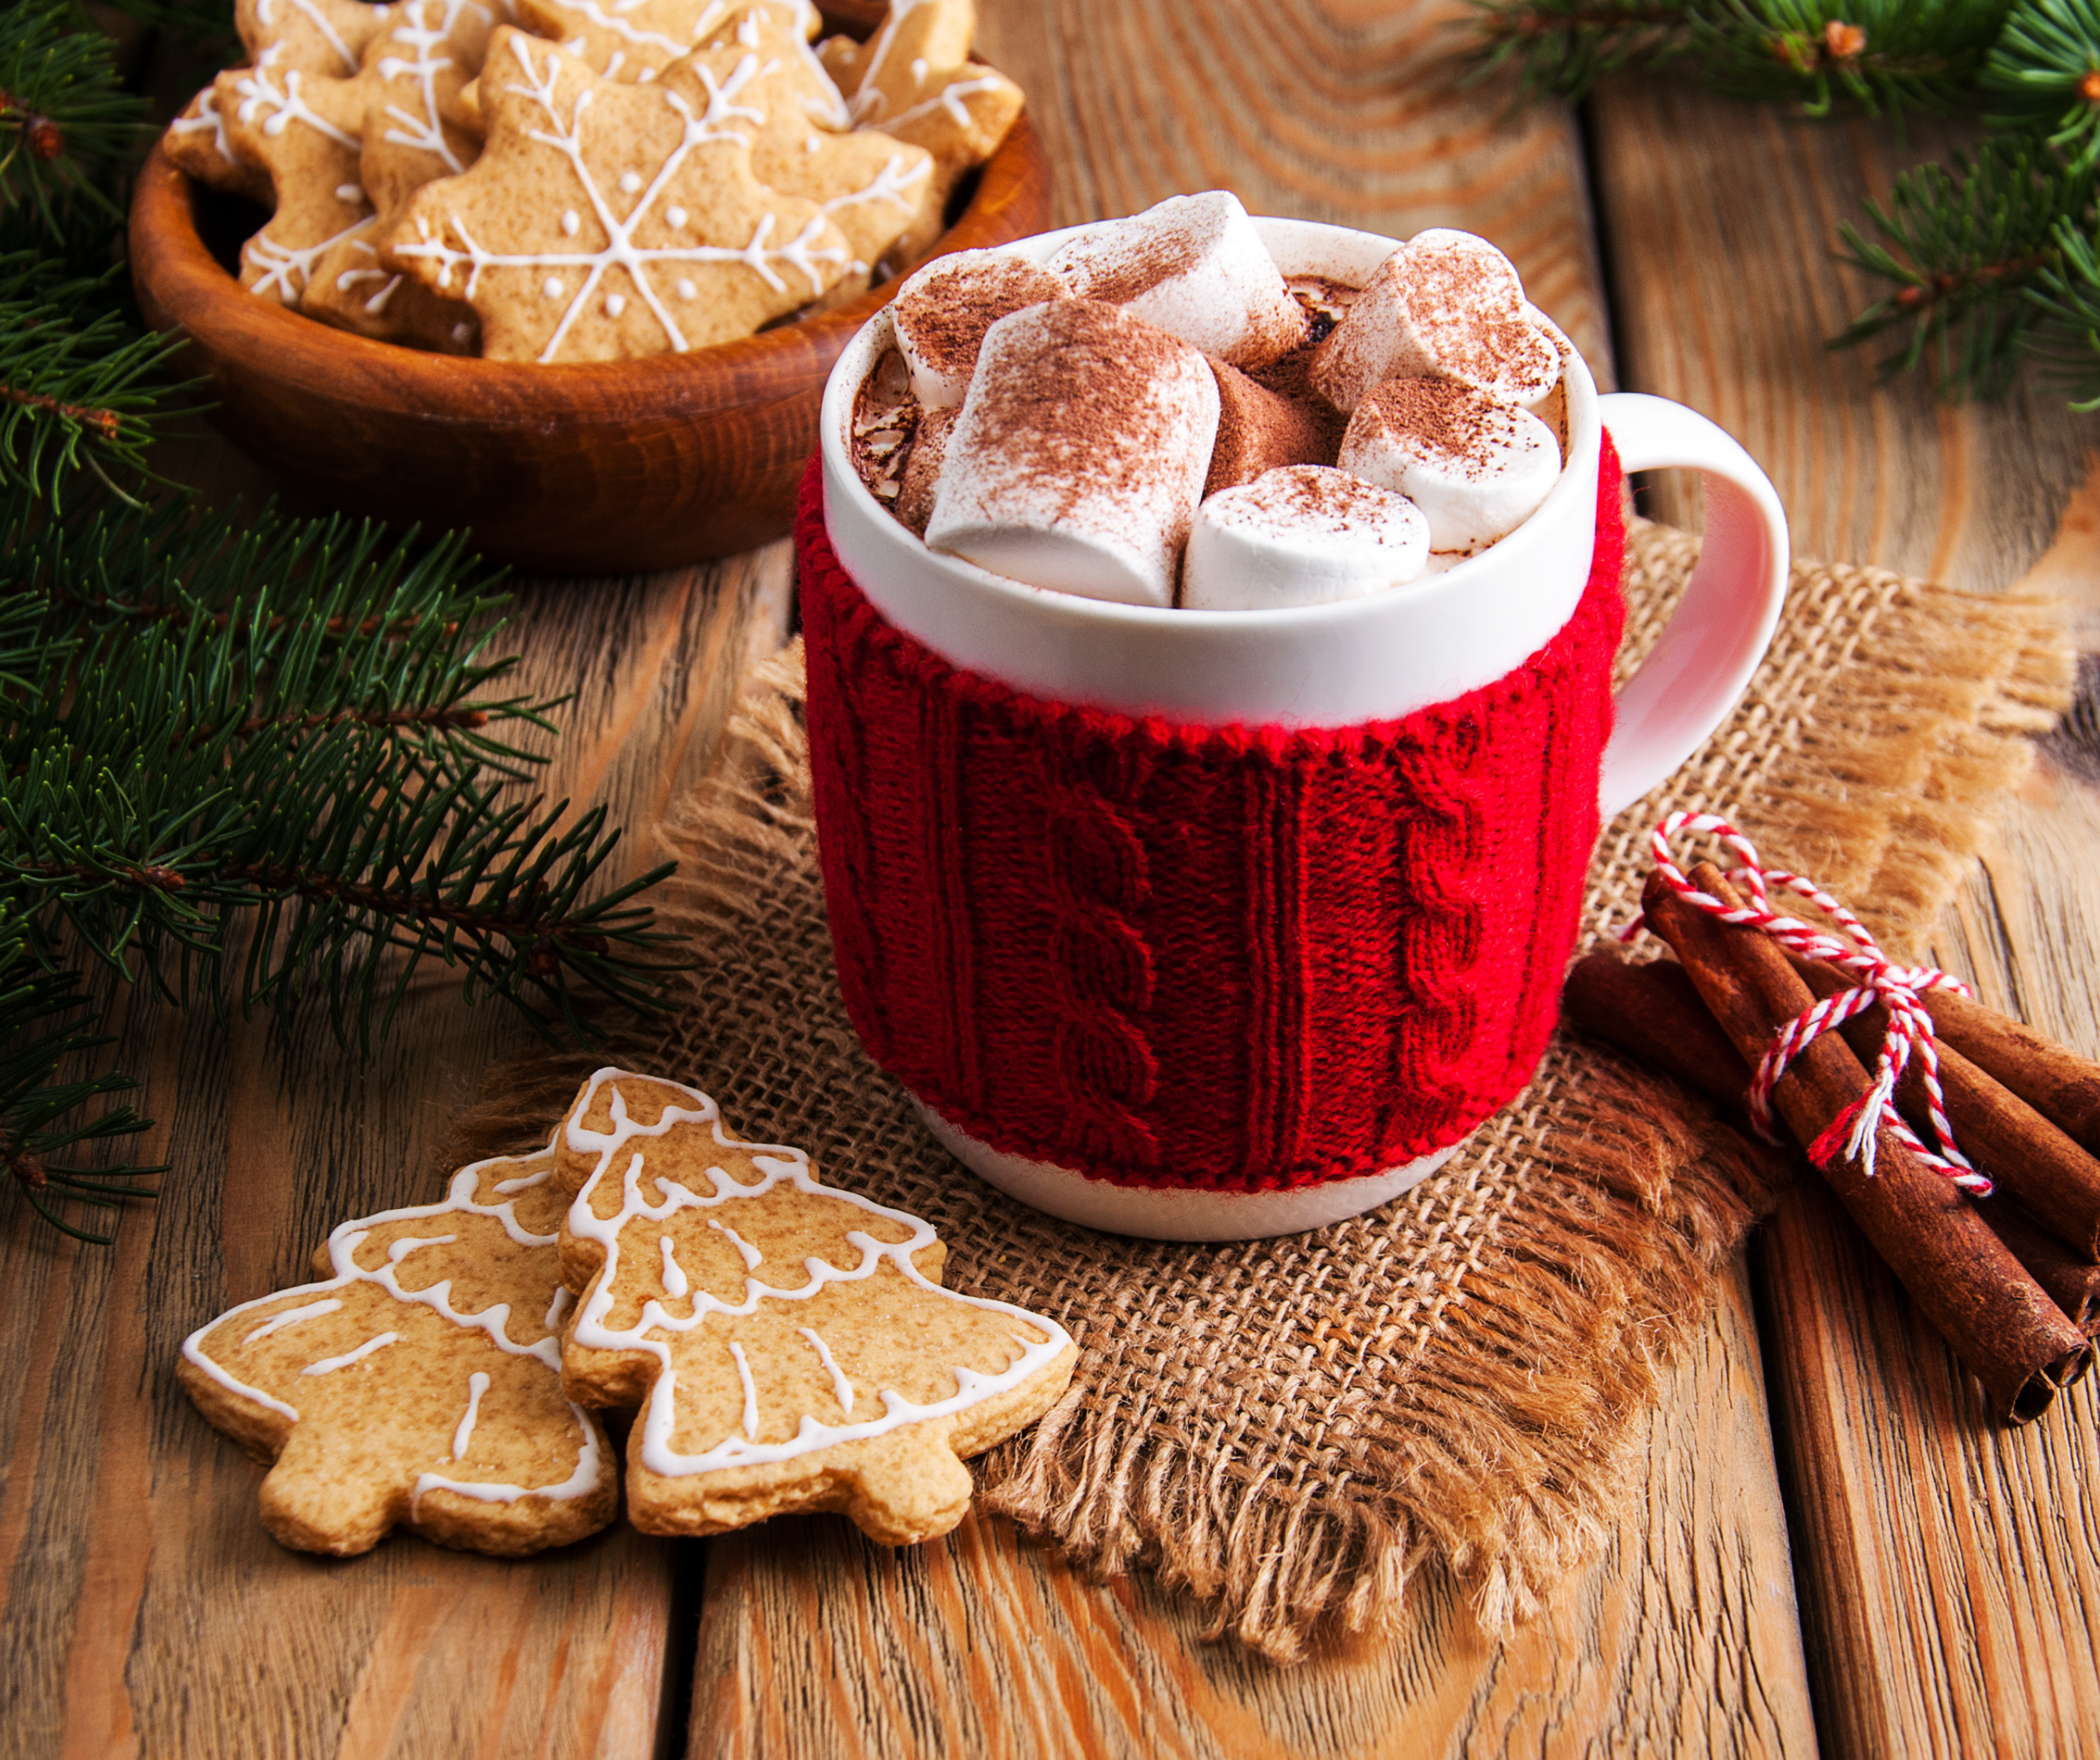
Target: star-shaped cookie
606, 221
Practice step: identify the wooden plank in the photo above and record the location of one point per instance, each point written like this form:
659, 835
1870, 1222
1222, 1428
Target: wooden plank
1684, 1635
1949, 1568
816, 1645
147, 1612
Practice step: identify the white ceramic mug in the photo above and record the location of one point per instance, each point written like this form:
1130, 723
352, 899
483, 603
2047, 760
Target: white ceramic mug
1371, 659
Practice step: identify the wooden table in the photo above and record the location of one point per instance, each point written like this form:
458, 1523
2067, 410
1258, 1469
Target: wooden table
1829, 1550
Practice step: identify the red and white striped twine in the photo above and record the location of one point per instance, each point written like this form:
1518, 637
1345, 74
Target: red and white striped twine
1898, 988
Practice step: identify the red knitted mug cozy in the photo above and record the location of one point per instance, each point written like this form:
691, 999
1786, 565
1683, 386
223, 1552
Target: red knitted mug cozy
1227, 958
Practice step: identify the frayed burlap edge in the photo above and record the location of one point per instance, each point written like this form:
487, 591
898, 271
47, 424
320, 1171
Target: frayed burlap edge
1512, 1376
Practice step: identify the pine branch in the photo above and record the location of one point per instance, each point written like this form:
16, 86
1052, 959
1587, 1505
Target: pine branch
41, 1032
2066, 300
79, 387
66, 124
2043, 76
1886, 56
1561, 48
1964, 244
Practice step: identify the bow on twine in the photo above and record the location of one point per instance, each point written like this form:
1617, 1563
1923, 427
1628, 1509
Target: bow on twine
1879, 980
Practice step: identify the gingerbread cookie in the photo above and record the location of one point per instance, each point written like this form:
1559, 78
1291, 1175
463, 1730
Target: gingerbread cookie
635, 40
407, 92
323, 36
870, 185
789, 1344
418, 1385
914, 80
305, 130
197, 144
606, 221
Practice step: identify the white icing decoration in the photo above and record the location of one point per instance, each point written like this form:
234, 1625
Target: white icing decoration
676, 216
552, 286
343, 1245
629, 182
408, 1243
477, 1385
209, 117
841, 1388
265, 8
615, 304
283, 105
675, 1281
524, 1181
749, 1253
462, 331
291, 1317
560, 1305
952, 98
351, 193
750, 1390
424, 132
812, 143
920, 70
572, 222
286, 269
329, 1365
892, 184
758, 255
686, 289
780, 1166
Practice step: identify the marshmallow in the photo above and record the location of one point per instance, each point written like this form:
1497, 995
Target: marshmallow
922, 469
1193, 265
1477, 469
1260, 430
941, 312
1078, 458
1300, 535
1445, 304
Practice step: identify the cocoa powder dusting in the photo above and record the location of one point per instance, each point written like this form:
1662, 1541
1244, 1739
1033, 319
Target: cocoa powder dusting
1259, 429
1444, 417
948, 319
1117, 275
1094, 427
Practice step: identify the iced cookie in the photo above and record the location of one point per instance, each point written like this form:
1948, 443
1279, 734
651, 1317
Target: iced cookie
789, 1344
305, 130
197, 144
914, 80
870, 185
607, 222
407, 92
418, 1385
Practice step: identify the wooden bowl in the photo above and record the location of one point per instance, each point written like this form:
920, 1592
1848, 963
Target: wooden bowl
592, 468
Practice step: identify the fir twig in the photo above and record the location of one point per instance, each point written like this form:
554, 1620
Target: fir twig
1963, 245
40, 1031
2066, 301
1561, 48
64, 117
2044, 75
1886, 56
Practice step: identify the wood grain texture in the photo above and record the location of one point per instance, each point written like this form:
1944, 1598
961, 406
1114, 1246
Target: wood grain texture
1948, 1568
146, 1611
1682, 1639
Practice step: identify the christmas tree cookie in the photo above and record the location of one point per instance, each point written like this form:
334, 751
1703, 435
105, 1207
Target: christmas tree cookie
788, 1344
418, 1384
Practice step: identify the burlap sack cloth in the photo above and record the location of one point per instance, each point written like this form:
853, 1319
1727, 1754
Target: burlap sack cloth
1288, 1428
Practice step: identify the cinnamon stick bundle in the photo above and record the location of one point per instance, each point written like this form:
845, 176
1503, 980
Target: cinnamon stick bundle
1998, 1319
1653, 1012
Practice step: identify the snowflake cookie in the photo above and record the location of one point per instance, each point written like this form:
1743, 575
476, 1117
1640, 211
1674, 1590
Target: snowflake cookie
606, 222
418, 1384
789, 1345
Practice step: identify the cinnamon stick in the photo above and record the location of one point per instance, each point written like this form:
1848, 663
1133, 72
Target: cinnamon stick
2060, 1085
1999, 1321
1653, 1012
2054, 1179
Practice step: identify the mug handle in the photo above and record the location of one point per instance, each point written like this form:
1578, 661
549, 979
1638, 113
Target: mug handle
1704, 658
